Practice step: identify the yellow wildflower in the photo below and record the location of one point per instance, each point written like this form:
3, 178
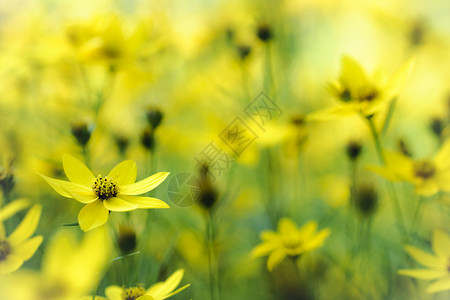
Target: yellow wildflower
428, 176
358, 93
158, 291
289, 241
18, 247
438, 265
114, 192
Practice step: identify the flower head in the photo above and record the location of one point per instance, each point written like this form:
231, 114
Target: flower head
18, 246
158, 291
438, 264
115, 192
428, 176
289, 241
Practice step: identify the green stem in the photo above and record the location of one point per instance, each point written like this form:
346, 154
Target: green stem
417, 214
209, 243
387, 120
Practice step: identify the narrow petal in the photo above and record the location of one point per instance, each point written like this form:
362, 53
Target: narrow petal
11, 264
147, 297
275, 258
427, 188
422, 273
263, 249
57, 185
441, 244
144, 185
144, 202
161, 289
69, 189
269, 235
117, 204
93, 215
317, 241
174, 292
124, 173
424, 258
12, 208
83, 196
27, 249
307, 230
77, 171
27, 227
287, 227
96, 298
440, 285
114, 292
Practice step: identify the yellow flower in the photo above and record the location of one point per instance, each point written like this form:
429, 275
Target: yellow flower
428, 176
438, 265
114, 192
358, 93
158, 291
70, 269
18, 247
289, 241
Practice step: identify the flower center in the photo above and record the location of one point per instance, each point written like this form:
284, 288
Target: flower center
133, 293
5, 250
424, 169
105, 187
368, 94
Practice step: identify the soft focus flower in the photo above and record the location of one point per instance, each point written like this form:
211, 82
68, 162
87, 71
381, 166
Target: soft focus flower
289, 241
359, 93
438, 265
70, 269
18, 246
159, 291
428, 176
114, 192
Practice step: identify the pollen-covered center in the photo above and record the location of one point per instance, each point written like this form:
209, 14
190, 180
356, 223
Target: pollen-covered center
5, 250
105, 187
133, 293
424, 169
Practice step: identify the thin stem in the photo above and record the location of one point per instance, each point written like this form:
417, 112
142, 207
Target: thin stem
387, 120
209, 243
417, 214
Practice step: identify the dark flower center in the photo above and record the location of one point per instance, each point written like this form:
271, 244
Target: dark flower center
133, 293
424, 169
105, 187
5, 250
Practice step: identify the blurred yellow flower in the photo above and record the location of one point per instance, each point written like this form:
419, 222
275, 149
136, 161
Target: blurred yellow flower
428, 176
438, 265
18, 247
70, 269
114, 192
158, 291
289, 241
358, 93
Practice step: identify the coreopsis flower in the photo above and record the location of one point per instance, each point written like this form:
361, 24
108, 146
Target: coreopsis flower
115, 192
289, 241
18, 247
437, 264
359, 93
159, 291
428, 176
70, 269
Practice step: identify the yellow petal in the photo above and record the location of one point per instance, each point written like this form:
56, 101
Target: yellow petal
399, 79
317, 241
144, 185
352, 74
96, 298
171, 294
114, 292
12, 208
82, 195
263, 249
93, 215
440, 285
27, 227
147, 297
144, 202
424, 258
287, 227
11, 264
124, 173
442, 158
427, 188
27, 249
117, 204
275, 258
269, 235
77, 171
307, 230
422, 273
58, 185
161, 289
441, 244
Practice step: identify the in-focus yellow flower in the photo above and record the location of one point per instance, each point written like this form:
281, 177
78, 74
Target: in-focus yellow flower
428, 176
18, 247
358, 93
438, 265
289, 241
158, 291
115, 192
